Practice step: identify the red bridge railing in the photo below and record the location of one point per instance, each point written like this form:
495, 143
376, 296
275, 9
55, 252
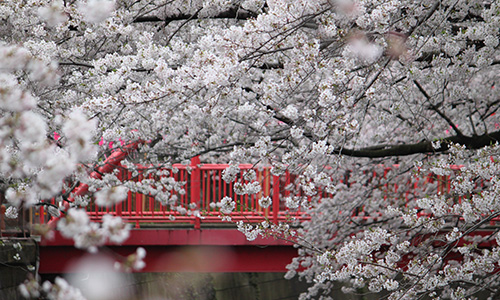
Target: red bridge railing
204, 187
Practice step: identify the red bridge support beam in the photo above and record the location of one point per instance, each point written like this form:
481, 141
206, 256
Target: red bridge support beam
181, 250
210, 259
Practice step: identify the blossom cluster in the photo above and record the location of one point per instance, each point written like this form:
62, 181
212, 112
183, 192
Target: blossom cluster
87, 235
59, 290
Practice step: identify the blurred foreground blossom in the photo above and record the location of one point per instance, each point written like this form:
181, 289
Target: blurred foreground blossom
53, 14
396, 44
96, 11
363, 50
95, 276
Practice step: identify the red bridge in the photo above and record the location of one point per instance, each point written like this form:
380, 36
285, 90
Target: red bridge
186, 242
189, 242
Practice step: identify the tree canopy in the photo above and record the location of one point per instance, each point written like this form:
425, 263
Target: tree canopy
326, 89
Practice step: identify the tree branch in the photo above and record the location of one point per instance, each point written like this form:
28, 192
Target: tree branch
431, 11
436, 109
474, 142
233, 13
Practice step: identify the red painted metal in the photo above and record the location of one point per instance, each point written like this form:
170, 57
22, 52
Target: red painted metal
276, 198
59, 259
109, 164
204, 187
206, 250
181, 237
195, 188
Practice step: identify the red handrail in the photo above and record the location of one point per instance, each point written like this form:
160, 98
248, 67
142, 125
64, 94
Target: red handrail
205, 187
109, 165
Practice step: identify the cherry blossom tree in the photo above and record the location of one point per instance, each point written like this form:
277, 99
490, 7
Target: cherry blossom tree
332, 91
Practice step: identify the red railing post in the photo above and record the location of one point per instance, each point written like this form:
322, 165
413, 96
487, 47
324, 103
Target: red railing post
195, 188
118, 207
276, 198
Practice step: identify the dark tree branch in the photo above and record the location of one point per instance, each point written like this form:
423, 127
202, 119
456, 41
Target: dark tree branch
180, 26
77, 64
372, 81
474, 142
436, 109
233, 13
86, 65
487, 113
431, 11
